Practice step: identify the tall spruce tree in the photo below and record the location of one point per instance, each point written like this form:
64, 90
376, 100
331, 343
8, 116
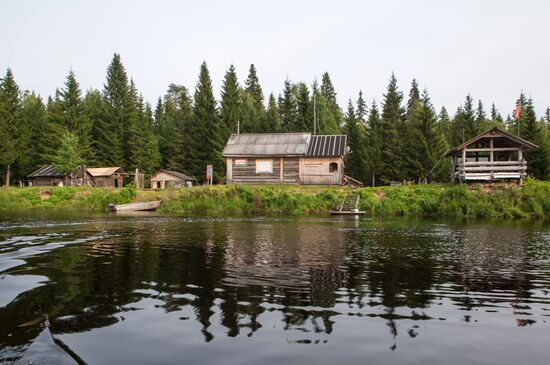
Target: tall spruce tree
465, 124
496, 118
34, 116
392, 127
414, 96
361, 110
96, 110
116, 92
230, 104
253, 100
329, 93
174, 119
481, 118
356, 141
288, 110
204, 131
14, 134
374, 138
304, 108
272, 119
74, 119
530, 129
429, 142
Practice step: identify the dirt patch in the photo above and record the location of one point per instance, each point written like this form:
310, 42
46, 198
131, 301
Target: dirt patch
45, 194
379, 194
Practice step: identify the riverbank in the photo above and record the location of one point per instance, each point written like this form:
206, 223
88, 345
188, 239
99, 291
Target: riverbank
500, 201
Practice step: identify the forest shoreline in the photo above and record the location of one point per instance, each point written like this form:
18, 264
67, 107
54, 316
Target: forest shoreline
531, 201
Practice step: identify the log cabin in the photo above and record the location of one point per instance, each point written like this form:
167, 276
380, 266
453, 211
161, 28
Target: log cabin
285, 158
108, 177
50, 176
167, 178
491, 156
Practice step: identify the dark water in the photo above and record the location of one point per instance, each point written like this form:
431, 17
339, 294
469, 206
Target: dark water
162, 290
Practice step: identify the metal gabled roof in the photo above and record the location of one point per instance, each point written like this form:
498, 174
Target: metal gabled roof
267, 144
327, 146
47, 171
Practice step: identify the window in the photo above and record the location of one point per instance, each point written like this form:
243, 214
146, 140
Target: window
333, 167
264, 166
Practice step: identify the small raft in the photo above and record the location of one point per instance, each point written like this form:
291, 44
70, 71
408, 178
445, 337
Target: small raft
135, 207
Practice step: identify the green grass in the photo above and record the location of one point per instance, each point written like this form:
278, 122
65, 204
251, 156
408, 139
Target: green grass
445, 200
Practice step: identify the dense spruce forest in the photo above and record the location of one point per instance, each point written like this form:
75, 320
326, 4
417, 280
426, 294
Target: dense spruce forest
400, 137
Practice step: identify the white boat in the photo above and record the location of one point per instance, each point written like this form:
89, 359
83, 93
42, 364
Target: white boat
132, 207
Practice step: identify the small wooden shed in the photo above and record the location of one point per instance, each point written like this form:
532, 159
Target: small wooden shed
50, 176
167, 178
285, 158
490, 156
108, 177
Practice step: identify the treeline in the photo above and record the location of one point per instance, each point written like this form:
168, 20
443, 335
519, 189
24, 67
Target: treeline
397, 139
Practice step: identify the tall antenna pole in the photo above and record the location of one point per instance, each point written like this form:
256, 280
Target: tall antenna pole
238, 127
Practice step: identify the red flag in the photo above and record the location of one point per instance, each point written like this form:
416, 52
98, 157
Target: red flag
518, 111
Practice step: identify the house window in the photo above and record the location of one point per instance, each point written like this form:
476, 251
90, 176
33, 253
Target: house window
333, 167
264, 166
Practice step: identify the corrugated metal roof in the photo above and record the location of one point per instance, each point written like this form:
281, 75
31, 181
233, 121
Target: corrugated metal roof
106, 171
326, 146
47, 171
267, 144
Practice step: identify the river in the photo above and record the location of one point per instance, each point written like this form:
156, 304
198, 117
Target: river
150, 289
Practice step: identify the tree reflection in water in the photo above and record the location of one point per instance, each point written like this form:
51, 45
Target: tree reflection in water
238, 273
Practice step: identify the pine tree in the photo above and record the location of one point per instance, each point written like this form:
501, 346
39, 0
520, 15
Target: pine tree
272, 119
361, 110
250, 119
374, 147
34, 116
444, 122
414, 96
288, 111
429, 143
14, 134
392, 128
145, 154
480, 116
304, 108
116, 92
329, 93
538, 160
496, 118
204, 131
96, 110
356, 142
253, 100
230, 108
172, 122
68, 156
465, 124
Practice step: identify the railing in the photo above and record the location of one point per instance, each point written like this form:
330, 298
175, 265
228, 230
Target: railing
348, 180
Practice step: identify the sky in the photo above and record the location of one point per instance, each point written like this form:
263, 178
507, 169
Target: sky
490, 49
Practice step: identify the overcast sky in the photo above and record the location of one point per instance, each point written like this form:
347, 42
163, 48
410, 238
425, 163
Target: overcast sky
490, 49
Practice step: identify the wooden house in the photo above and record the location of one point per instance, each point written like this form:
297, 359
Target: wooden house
285, 158
50, 176
108, 177
490, 156
166, 178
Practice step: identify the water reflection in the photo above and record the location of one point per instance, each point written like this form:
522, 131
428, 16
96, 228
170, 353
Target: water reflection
290, 282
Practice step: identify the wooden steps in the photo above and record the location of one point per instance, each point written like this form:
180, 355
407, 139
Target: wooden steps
349, 206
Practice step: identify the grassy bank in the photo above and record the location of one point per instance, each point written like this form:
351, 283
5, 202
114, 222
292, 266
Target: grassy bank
502, 201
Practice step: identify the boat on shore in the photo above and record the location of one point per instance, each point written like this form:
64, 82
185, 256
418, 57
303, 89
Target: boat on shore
135, 207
